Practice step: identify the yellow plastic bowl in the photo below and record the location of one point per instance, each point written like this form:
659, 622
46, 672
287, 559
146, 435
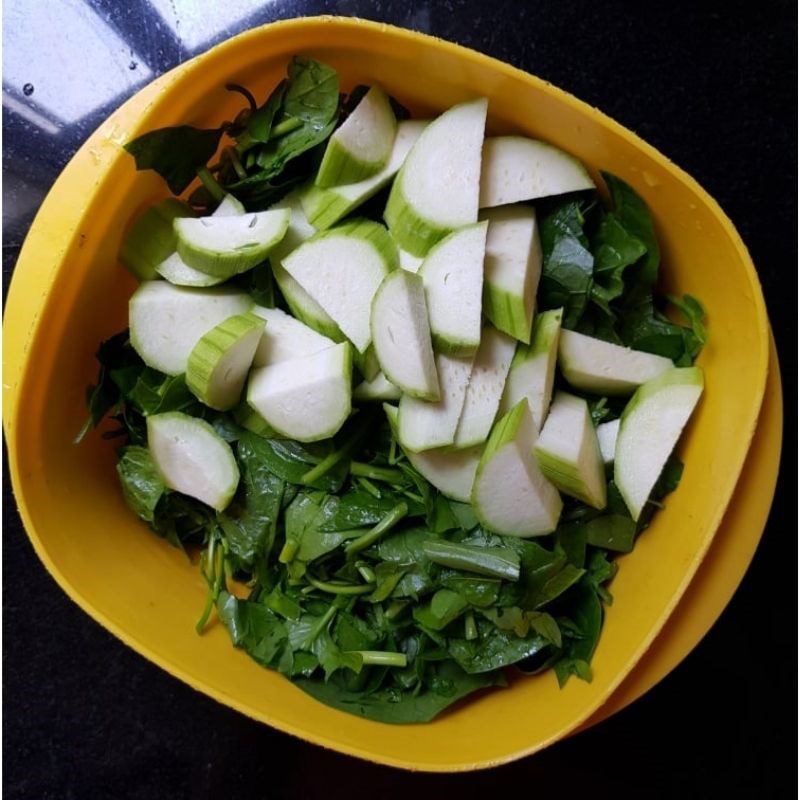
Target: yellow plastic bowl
69, 293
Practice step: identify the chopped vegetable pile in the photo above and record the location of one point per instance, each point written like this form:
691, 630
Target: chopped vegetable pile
406, 389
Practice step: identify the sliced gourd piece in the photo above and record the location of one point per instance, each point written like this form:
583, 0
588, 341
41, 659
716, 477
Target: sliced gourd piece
175, 270
361, 146
341, 269
229, 207
246, 416
307, 398
516, 168
436, 190
408, 262
167, 321
607, 439
219, 362
304, 306
402, 337
151, 238
285, 338
193, 458
512, 269
569, 453
533, 368
649, 429
452, 472
453, 277
325, 207
297, 232
422, 425
510, 495
225, 246
486, 383
367, 362
601, 367
379, 388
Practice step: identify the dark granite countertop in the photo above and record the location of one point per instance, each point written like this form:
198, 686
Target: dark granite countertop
713, 85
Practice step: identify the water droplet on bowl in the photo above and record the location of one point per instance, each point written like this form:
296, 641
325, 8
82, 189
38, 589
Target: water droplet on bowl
27, 89
132, 65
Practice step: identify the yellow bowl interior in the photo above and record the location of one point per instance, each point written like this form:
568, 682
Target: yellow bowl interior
69, 293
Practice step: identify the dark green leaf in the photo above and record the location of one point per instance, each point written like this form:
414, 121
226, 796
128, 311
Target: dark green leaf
611, 532
142, 485
175, 153
633, 217
155, 393
250, 522
586, 615
291, 460
259, 123
493, 649
479, 592
443, 607
398, 707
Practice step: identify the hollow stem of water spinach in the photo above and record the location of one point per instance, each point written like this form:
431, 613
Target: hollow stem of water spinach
495, 562
286, 126
381, 529
382, 658
215, 576
375, 473
212, 185
332, 587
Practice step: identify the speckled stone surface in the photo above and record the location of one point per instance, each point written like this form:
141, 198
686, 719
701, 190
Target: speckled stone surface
713, 85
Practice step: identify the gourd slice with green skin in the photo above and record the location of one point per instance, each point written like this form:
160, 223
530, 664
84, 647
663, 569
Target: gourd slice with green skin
534, 366
341, 269
362, 144
285, 338
512, 269
422, 425
302, 305
298, 230
486, 383
607, 433
378, 389
151, 238
510, 494
219, 362
569, 453
408, 262
452, 472
436, 190
601, 367
175, 270
453, 276
227, 245
402, 337
367, 362
167, 321
649, 429
307, 399
325, 207
246, 416
229, 207
193, 458
515, 168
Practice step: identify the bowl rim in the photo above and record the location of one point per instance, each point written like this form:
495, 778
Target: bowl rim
143, 101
